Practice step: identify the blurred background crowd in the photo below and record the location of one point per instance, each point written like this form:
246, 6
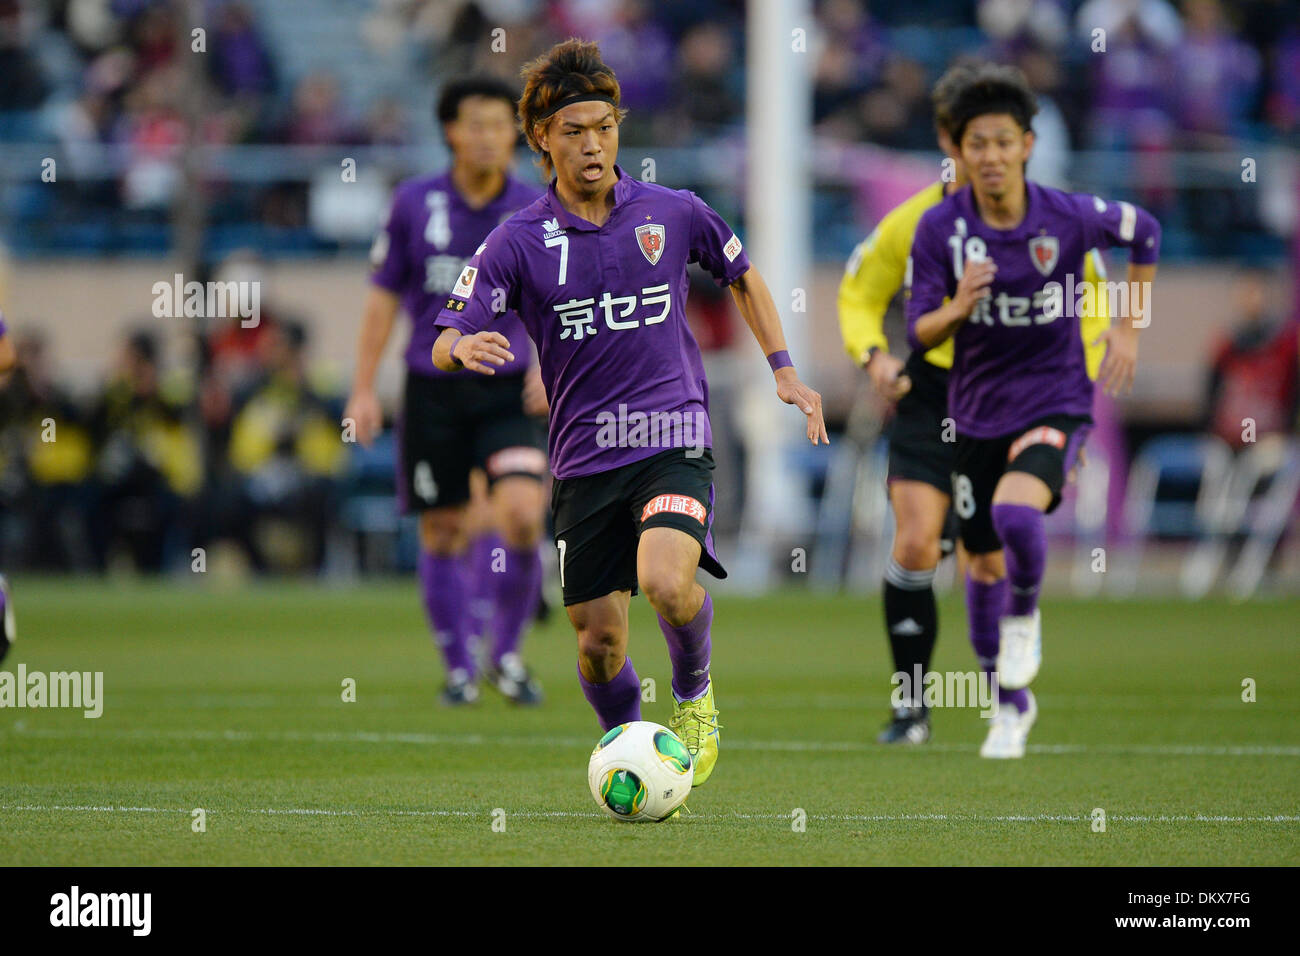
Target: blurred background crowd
101, 80
171, 449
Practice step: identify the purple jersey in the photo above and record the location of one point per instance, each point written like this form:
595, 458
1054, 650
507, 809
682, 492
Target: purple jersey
1020, 355
430, 235
606, 308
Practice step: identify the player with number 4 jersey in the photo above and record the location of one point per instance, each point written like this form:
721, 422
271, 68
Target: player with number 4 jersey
596, 270
480, 569
998, 268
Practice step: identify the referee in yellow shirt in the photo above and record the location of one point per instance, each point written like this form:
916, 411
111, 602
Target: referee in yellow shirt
922, 439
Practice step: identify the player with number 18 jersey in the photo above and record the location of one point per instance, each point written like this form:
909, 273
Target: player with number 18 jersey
998, 267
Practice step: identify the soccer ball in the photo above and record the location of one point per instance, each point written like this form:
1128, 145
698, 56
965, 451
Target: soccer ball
640, 772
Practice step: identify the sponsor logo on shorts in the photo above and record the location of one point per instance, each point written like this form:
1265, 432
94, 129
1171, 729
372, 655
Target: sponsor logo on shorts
675, 505
1042, 435
520, 460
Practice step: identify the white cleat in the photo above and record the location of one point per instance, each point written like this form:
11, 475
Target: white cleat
1020, 649
1008, 731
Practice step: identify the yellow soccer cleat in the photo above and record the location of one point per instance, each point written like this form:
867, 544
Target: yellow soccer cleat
696, 723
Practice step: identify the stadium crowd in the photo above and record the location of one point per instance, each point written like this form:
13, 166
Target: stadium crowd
1193, 76
241, 446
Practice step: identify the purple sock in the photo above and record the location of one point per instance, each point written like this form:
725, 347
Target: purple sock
689, 649
1024, 541
617, 701
985, 604
481, 579
518, 587
444, 600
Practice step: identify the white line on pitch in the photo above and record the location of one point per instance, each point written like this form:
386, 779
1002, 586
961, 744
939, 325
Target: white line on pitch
568, 814
814, 746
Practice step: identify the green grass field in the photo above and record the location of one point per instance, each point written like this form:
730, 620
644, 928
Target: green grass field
232, 702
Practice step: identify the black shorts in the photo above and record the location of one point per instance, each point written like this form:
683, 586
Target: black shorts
917, 450
452, 425
599, 518
1046, 449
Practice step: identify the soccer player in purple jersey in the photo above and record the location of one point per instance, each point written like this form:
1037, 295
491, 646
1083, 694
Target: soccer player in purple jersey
1009, 255
596, 269
455, 422
8, 359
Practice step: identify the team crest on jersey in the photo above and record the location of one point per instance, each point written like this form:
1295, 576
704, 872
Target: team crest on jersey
651, 237
1045, 251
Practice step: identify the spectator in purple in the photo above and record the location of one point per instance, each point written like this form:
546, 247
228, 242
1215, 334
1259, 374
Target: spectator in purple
316, 117
1217, 73
707, 61
852, 53
641, 52
1283, 105
1131, 79
239, 63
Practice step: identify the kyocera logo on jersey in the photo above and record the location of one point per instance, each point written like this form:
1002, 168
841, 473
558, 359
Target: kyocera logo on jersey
732, 248
676, 505
465, 284
650, 238
1045, 251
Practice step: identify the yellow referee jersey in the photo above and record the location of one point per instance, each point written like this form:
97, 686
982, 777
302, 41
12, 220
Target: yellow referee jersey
875, 273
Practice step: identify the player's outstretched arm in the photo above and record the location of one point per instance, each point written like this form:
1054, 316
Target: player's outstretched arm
377, 320
481, 352
755, 302
1120, 364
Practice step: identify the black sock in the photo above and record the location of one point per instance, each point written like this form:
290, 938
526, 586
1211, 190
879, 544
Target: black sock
911, 620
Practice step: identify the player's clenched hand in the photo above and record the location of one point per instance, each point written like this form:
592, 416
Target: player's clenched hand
367, 415
794, 392
883, 370
1117, 368
481, 351
974, 285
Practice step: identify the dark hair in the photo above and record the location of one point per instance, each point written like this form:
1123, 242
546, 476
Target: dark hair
947, 89
454, 92
993, 88
568, 68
